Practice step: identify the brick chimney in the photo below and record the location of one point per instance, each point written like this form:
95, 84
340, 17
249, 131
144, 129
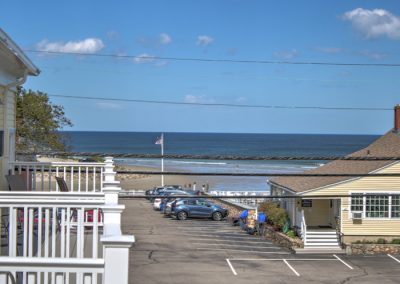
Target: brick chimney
397, 118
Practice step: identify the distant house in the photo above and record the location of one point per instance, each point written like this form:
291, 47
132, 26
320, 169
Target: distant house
15, 67
369, 213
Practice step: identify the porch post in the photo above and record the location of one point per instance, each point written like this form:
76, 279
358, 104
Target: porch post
115, 245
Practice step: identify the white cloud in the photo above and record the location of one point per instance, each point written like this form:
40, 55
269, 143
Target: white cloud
165, 39
374, 23
286, 54
89, 45
144, 58
108, 105
198, 99
373, 54
204, 40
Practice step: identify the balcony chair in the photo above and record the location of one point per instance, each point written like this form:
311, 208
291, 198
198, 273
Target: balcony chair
88, 213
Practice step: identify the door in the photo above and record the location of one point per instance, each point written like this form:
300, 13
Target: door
204, 208
335, 211
317, 213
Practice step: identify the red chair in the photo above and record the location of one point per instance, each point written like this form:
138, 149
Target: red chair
88, 214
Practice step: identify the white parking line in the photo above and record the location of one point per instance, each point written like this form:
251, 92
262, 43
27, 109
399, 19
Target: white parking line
231, 266
231, 241
343, 262
275, 259
239, 250
291, 267
242, 246
213, 231
213, 235
391, 256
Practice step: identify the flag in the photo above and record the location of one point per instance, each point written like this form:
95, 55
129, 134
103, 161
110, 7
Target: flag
160, 140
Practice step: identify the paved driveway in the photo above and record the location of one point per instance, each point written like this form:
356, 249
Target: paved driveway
204, 251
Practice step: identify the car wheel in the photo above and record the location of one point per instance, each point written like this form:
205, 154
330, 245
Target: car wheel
217, 216
182, 215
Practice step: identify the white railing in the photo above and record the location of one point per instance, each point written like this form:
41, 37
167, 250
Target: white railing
248, 200
47, 228
40, 176
303, 228
64, 237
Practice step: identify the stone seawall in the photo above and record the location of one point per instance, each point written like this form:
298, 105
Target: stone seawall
372, 249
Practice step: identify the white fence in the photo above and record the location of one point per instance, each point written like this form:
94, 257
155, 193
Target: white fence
249, 198
64, 237
40, 176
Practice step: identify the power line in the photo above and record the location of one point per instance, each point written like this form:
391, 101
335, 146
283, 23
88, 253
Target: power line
265, 174
194, 59
217, 157
220, 104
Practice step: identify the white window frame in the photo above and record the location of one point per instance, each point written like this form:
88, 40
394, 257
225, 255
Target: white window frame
373, 192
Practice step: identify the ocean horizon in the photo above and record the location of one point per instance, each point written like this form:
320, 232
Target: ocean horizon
237, 144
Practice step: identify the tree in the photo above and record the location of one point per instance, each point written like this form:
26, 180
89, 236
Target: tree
38, 122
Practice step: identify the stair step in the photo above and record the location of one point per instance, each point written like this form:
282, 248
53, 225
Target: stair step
322, 244
322, 240
320, 250
321, 232
321, 236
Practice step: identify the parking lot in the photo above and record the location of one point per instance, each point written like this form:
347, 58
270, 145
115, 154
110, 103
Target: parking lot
205, 251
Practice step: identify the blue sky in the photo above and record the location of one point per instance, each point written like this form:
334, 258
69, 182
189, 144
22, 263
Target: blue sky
326, 31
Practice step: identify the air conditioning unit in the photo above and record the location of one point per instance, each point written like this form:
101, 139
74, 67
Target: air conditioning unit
357, 215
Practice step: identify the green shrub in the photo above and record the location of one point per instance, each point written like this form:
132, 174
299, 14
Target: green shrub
291, 234
395, 241
276, 216
381, 241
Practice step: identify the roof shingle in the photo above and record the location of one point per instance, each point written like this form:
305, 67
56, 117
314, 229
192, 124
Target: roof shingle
387, 145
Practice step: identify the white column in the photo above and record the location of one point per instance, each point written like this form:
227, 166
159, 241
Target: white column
115, 245
116, 258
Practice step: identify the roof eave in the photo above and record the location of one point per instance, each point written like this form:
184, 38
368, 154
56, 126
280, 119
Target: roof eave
6, 40
335, 183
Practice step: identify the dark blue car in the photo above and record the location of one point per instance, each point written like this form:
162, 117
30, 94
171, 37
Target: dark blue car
197, 208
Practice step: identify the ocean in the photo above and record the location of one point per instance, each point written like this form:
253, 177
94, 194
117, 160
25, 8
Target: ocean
221, 144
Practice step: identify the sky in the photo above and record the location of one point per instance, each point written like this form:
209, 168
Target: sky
340, 31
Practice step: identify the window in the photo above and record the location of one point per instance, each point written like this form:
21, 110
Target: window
395, 206
357, 202
377, 206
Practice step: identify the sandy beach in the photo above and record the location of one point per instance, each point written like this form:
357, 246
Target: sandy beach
144, 182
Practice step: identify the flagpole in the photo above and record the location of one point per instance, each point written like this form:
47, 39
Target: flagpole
162, 159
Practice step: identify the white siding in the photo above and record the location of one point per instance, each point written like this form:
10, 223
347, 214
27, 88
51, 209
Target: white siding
366, 227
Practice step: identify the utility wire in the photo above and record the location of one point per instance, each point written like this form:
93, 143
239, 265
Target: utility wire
266, 174
216, 157
194, 59
127, 195
221, 104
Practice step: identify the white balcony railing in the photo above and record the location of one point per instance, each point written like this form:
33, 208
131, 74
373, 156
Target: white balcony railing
64, 237
40, 176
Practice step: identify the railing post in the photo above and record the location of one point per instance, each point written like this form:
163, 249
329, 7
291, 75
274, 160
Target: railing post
115, 245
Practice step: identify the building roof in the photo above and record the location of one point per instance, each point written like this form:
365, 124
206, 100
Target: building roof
13, 48
387, 145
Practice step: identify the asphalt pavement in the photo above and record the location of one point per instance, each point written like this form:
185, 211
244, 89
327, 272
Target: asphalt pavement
206, 251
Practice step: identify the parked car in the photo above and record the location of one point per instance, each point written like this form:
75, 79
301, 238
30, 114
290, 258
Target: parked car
159, 191
158, 201
197, 208
166, 204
